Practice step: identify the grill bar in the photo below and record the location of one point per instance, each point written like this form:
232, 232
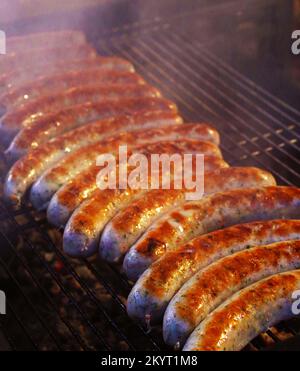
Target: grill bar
88, 290
138, 52
30, 304
160, 50
187, 109
266, 141
250, 103
255, 90
24, 331
114, 295
21, 260
57, 280
7, 337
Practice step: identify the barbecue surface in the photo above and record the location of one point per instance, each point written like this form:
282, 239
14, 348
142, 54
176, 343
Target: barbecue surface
58, 303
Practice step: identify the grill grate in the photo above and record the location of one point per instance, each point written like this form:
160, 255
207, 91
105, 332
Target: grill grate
266, 136
58, 303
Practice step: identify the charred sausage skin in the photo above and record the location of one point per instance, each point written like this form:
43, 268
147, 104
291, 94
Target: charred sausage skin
208, 214
160, 282
242, 317
209, 288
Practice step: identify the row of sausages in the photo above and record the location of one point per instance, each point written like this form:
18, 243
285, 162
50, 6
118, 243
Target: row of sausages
201, 266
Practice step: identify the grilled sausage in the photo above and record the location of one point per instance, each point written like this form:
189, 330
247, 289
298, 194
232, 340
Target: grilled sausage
57, 123
130, 223
25, 116
83, 230
70, 166
246, 314
50, 84
33, 58
71, 195
158, 284
23, 74
27, 169
38, 40
209, 288
213, 212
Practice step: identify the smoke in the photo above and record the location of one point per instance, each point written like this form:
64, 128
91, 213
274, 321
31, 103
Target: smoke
44, 14
10, 10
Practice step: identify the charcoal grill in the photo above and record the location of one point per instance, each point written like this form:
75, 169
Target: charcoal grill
56, 303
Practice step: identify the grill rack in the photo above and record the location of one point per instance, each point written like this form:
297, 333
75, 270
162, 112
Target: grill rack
256, 129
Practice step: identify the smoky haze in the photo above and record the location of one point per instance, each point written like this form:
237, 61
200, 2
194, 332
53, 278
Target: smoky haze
12, 10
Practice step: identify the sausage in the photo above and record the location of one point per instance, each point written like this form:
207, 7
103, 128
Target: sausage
158, 284
25, 116
70, 166
61, 81
207, 289
35, 57
130, 223
38, 40
72, 193
47, 127
208, 214
19, 76
243, 317
27, 169
83, 230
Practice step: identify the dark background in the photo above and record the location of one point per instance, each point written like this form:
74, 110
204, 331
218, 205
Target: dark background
253, 36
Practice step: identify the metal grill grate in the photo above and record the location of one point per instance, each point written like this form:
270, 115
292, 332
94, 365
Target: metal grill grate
58, 303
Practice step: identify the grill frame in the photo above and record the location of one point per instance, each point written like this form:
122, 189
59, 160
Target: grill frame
177, 61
